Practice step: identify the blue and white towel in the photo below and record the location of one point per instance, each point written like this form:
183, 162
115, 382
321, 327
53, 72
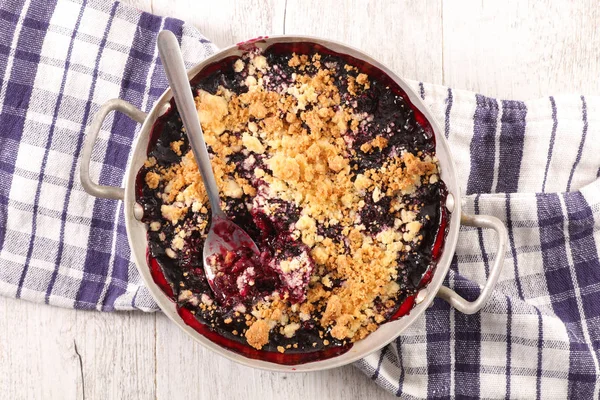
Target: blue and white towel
59, 62
536, 166
533, 164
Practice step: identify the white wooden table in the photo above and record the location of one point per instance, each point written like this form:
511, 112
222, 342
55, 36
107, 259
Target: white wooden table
511, 49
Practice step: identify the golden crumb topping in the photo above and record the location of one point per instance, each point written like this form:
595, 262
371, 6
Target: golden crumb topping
297, 143
258, 334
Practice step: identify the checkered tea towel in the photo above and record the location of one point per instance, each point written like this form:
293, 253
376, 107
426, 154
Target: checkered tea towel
60, 60
534, 164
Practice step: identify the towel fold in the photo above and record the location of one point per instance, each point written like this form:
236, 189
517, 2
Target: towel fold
534, 164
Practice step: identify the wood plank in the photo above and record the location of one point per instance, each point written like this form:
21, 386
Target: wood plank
53, 353
118, 354
226, 22
37, 352
522, 49
404, 35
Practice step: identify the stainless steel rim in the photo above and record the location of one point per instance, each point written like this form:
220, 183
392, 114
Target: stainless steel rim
434, 288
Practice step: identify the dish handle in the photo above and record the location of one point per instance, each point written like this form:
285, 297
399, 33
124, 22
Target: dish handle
459, 302
106, 192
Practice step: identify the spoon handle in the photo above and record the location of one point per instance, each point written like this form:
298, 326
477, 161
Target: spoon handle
172, 61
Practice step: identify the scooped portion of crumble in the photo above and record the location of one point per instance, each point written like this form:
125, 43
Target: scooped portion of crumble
327, 169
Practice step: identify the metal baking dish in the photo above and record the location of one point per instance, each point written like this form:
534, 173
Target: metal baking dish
387, 332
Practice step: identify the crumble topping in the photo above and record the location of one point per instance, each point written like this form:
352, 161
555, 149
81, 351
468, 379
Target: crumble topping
291, 146
258, 334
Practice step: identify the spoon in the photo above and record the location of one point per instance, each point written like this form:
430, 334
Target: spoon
224, 235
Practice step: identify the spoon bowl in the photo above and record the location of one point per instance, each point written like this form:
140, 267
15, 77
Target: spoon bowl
224, 238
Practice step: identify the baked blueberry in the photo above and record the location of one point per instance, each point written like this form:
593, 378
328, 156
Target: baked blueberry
325, 165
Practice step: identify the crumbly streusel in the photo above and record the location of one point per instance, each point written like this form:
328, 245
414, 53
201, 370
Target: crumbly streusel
294, 144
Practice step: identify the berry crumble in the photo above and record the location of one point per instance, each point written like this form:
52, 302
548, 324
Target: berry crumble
332, 172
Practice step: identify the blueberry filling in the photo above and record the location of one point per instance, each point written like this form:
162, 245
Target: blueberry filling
381, 127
